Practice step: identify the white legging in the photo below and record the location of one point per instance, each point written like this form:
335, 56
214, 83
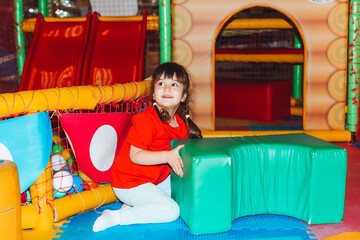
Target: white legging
147, 203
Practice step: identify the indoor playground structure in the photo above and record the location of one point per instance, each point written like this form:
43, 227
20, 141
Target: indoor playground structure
81, 78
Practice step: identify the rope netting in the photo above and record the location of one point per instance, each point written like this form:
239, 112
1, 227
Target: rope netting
63, 181
67, 175
64, 178
8, 67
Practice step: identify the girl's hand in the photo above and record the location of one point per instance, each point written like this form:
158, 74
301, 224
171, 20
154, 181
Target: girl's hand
175, 161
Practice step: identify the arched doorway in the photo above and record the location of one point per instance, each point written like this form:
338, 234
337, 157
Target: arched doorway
259, 60
196, 26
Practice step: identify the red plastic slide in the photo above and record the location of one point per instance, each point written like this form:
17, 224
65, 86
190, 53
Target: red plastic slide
115, 52
56, 54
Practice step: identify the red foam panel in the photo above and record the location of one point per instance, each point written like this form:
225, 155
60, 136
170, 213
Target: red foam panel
257, 100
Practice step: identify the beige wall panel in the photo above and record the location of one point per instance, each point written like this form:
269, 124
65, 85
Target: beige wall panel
182, 52
182, 21
338, 20
336, 116
313, 24
337, 86
317, 121
319, 68
337, 53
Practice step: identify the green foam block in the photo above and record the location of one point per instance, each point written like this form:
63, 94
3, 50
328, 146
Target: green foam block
296, 175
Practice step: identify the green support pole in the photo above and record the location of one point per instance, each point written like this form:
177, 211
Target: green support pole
353, 66
297, 73
43, 7
20, 40
165, 30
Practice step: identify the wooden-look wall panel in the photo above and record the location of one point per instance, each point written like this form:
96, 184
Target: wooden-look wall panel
323, 31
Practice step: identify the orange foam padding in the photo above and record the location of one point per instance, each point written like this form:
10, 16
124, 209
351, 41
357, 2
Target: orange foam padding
261, 52
10, 217
277, 55
257, 100
78, 203
326, 135
56, 54
344, 236
115, 52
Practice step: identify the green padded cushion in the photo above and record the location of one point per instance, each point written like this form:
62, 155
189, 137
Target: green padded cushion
295, 175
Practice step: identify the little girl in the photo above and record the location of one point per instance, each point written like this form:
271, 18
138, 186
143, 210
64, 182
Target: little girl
140, 175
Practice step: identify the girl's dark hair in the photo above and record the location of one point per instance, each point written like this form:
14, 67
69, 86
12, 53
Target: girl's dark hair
168, 70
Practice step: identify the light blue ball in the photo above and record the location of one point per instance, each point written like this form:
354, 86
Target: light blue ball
78, 185
58, 194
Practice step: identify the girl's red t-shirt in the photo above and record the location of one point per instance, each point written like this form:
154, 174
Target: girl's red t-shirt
147, 133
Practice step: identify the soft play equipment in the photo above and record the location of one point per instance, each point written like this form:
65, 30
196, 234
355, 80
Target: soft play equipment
26, 140
82, 202
40, 212
115, 51
295, 175
96, 139
85, 52
56, 54
10, 217
322, 26
259, 100
80, 97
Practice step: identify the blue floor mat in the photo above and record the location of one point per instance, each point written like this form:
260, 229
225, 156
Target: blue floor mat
260, 227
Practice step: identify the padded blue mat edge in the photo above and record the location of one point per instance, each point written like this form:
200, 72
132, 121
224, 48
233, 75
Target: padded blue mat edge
260, 227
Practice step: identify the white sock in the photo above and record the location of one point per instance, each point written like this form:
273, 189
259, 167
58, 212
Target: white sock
105, 221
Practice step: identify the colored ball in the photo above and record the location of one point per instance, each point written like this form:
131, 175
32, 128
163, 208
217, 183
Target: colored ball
90, 185
66, 154
23, 197
59, 194
56, 139
57, 162
78, 185
57, 148
28, 196
63, 144
62, 181
84, 177
73, 163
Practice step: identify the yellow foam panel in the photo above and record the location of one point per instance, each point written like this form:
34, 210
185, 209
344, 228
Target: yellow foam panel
344, 236
10, 213
29, 216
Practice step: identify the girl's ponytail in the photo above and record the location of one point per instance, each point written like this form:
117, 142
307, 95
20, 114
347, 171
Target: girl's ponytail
183, 111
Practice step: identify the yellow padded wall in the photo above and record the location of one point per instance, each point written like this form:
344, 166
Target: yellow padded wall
10, 214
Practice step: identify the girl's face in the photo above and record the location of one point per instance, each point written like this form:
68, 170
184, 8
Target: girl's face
168, 93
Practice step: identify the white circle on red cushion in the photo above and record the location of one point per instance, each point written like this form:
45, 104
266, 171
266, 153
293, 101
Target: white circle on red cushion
102, 147
5, 153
